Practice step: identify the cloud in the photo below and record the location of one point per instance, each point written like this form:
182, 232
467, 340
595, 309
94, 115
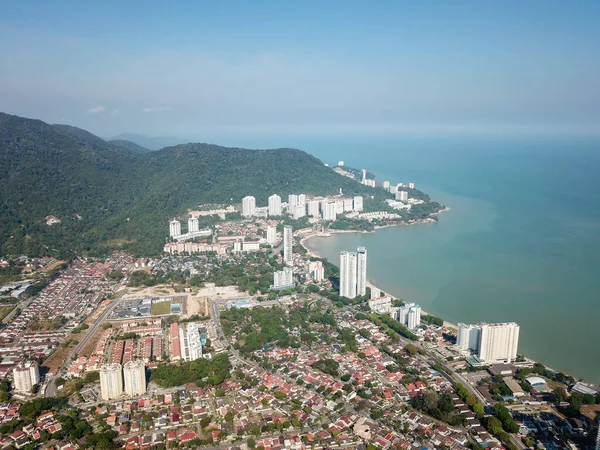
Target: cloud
115, 112
97, 109
154, 109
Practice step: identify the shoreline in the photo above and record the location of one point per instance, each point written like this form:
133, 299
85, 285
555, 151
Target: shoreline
370, 282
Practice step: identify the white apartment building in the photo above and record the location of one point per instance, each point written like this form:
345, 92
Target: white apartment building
358, 203
375, 292
271, 235
251, 246
381, 305
329, 211
298, 211
409, 315
353, 273
283, 279
393, 189
288, 242
467, 337
316, 270
386, 185
348, 204
26, 375
339, 205
193, 225
248, 206
413, 319
498, 342
111, 381
402, 196
411, 185
313, 208
348, 264
174, 228
134, 375
189, 339
274, 205
361, 271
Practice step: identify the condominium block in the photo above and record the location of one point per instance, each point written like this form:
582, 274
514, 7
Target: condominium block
271, 235
329, 211
358, 203
191, 345
316, 270
361, 271
348, 273
193, 225
283, 279
498, 342
313, 208
174, 228
248, 206
26, 375
274, 205
402, 196
134, 375
111, 381
288, 242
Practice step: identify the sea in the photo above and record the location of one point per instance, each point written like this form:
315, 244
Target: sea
520, 243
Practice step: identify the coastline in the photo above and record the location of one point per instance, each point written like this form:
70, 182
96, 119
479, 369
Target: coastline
370, 283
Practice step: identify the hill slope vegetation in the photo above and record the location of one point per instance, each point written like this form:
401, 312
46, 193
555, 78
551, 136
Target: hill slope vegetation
106, 194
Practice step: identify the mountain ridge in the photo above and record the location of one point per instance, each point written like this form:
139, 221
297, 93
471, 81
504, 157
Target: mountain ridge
124, 196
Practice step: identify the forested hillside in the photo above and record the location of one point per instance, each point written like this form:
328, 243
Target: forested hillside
107, 195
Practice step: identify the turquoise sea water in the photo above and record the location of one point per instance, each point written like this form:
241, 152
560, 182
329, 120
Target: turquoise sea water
521, 243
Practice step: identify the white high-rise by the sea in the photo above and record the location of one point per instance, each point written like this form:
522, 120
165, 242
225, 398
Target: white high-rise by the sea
358, 203
111, 381
312, 207
467, 337
248, 206
274, 205
193, 225
134, 375
386, 185
288, 242
329, 211
348, 267
271, 235
498, 342
361, 271
402, 196
174, 228
413, 319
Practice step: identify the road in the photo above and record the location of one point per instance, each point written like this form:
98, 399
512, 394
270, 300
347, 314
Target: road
50, 390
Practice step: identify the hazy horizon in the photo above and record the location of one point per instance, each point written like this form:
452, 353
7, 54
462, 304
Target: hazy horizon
200, 71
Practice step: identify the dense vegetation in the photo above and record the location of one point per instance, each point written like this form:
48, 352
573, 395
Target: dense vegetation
439, 406
202, 372
107, 196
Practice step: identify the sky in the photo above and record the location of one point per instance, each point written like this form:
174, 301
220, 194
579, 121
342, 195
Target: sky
194, 68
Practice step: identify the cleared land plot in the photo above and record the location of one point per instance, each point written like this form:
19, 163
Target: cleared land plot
161, 308
6, 309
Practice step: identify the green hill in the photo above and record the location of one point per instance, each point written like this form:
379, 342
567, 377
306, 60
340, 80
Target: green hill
129, 145
106, 195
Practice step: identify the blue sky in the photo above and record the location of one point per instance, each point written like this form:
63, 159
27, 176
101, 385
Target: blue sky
195, 69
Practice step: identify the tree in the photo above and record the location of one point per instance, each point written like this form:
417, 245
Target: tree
559, 395
493, 425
